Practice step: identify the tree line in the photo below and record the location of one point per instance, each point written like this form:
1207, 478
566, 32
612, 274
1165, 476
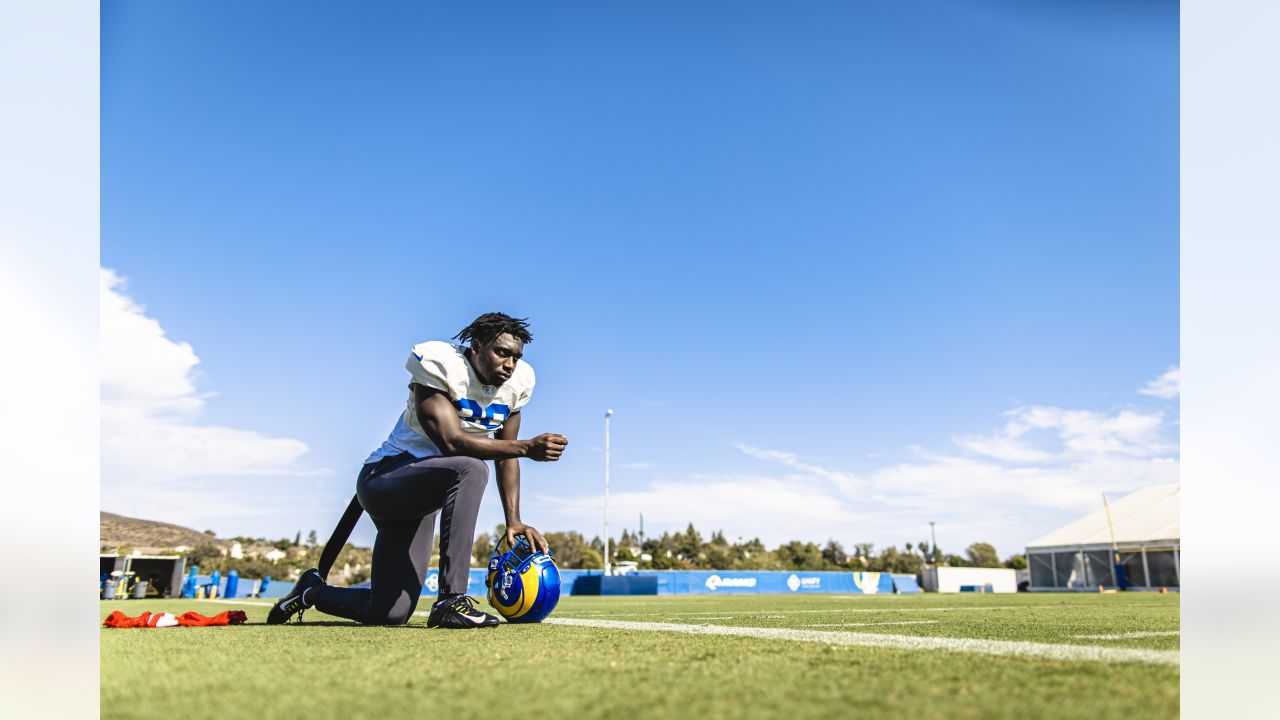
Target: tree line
685, 550
688, 550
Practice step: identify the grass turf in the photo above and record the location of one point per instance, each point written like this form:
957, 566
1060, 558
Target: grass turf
330, 668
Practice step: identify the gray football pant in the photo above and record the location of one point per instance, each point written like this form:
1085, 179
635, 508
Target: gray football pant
403, 496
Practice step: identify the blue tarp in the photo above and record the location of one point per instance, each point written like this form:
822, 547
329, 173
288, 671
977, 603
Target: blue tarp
905, 584
629, 584
276, 588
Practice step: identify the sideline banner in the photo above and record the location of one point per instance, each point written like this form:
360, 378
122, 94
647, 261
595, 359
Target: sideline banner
727, 582
688, 582
721, 582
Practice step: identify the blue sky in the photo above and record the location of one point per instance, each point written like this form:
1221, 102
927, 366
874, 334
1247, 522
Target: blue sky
839, 269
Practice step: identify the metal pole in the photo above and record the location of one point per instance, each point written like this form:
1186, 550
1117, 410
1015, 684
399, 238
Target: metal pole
1115, 549
607, 414
933, 537
1111, 528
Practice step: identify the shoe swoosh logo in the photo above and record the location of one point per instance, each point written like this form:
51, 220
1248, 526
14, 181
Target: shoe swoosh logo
474, 620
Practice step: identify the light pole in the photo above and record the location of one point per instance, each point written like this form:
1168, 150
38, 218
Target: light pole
607, 414
933, 538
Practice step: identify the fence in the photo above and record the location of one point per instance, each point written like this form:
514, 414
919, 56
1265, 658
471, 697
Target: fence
675, 582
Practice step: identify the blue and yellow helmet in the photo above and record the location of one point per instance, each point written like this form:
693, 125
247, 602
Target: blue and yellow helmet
524, 585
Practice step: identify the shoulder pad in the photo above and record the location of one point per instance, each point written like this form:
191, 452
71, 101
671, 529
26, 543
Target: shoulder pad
522, 381
437, 364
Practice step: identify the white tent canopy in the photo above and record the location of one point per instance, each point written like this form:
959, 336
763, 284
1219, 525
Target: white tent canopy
1149, 515
1079, 555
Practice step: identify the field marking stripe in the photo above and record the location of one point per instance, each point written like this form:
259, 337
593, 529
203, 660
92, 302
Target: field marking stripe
796, 612
1130, 635
1007, 648
852, 610
869, 624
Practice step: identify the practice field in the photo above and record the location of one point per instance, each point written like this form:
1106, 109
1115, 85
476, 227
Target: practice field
749, 656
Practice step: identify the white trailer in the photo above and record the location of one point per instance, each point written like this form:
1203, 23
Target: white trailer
970, 579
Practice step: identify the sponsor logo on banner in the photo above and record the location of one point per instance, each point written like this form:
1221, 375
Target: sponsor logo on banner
433, 582
715, 582
795, 582
867, 582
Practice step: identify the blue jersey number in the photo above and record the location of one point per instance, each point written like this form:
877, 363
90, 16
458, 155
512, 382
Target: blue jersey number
490, 418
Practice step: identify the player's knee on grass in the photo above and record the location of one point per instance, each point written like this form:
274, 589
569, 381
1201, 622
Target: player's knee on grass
397, 617
395, 613
399, 613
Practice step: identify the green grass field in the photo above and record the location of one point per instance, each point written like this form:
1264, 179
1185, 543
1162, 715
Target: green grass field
969, 656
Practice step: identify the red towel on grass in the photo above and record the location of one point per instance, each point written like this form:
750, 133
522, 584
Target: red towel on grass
118, 619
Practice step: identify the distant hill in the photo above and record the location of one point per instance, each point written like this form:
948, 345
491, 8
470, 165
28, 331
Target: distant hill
117, 530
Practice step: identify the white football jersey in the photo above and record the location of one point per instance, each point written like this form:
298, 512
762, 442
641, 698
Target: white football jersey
482, 409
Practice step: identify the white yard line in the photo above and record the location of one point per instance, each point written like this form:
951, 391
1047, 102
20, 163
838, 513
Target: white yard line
829, 611
869, 624
1129, 635
1008, 648
841, 610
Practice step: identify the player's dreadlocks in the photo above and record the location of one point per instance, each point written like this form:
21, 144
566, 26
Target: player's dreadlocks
489, 326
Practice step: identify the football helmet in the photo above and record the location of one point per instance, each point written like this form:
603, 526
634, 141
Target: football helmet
524, 585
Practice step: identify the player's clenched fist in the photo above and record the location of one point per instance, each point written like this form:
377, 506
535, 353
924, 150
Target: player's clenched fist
547, 447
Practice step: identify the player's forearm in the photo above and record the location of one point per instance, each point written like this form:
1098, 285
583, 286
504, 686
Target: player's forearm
509, 489
483, 447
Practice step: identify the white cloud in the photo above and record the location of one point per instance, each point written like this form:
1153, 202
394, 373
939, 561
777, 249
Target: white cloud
152, 437
1042, 468
1040, 434
773, 509
1003, 447
847, 482
1167, 386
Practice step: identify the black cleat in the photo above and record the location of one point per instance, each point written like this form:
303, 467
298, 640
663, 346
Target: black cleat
459, 613
292, 603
